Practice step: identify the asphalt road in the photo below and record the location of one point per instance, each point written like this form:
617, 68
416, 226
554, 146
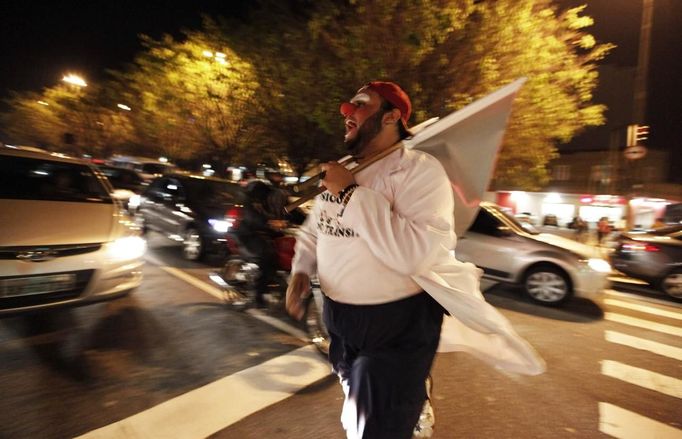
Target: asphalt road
171, 360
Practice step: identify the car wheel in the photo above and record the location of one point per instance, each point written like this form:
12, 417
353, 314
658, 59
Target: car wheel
671, 284
193, 248
547, 285
314, 326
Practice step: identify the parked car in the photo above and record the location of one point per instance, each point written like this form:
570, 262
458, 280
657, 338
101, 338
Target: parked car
550, 268
192, 209
63, 239
128, 185
654, 256
148, 168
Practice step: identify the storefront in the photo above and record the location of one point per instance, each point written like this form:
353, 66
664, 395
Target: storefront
594, 207
551, 208
645, 211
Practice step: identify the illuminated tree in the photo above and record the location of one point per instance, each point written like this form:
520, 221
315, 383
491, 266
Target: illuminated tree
194, 95
69, 119
508, 39
445, 53
270, 87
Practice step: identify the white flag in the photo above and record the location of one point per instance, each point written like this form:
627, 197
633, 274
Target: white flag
466, 143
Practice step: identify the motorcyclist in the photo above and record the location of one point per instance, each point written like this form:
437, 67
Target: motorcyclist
256, 232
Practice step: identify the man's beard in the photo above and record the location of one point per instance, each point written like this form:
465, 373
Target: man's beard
366, 133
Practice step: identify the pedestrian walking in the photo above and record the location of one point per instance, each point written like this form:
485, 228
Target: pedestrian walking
377, 240
580, 227
603, 230
658, 224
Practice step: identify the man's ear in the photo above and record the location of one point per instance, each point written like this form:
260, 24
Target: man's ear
392, 116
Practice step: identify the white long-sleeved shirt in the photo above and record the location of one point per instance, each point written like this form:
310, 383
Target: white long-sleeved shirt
391, 230
394, 239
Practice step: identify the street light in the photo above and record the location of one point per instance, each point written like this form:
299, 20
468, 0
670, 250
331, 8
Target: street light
74, 80
219, 57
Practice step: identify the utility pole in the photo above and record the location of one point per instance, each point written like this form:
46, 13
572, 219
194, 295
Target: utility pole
639, 112
640, 98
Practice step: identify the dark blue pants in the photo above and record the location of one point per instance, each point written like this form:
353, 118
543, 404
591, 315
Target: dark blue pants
384, 354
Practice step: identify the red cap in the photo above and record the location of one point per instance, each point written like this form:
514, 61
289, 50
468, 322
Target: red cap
392, 93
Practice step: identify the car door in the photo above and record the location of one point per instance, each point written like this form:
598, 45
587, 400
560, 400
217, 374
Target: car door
490, 245
150, 204
170, 210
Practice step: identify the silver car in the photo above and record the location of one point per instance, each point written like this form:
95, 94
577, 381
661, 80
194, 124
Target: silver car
654, 256
63, 239
551, 269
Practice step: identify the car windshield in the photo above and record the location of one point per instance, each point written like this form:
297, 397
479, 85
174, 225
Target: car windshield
122, 178
214, 191
24, 178
154, 168
524, 227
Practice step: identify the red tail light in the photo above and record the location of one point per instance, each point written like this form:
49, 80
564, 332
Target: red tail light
633, 246
233, 216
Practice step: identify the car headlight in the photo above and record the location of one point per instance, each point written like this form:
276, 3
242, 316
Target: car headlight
599, 265
220, 226
129, 247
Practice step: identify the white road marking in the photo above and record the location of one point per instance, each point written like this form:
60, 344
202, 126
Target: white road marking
624, 424
217, 293
643, 308
642, 377
203, 286
644, 344
628, 280
642, 298
211, 408
641, 323
282, 326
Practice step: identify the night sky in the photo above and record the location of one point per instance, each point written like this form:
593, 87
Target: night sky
40, 41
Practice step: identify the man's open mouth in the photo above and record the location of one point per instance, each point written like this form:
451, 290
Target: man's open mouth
350, 126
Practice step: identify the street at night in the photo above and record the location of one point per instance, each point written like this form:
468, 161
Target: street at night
379, 219
143, 366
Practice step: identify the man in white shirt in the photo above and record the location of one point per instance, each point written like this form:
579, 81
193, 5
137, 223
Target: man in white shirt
367, 238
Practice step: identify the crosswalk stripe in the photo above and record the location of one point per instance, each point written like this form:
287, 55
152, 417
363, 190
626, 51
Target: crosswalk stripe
641, 377
644, 344
642, 308
641, 298
641, 323
217, 293
203, 286
624, 424
211, 408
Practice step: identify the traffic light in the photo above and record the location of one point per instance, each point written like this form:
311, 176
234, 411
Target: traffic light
642, 134
637, 134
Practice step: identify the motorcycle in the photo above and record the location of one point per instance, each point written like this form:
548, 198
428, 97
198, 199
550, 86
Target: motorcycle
240, 272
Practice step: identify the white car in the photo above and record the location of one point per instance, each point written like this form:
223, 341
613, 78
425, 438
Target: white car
550, 268
63, 239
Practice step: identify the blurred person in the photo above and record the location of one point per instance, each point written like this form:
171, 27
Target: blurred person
375, 239
580, 226
603, 229
259, 226
658, 224
276, 178
247, 177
